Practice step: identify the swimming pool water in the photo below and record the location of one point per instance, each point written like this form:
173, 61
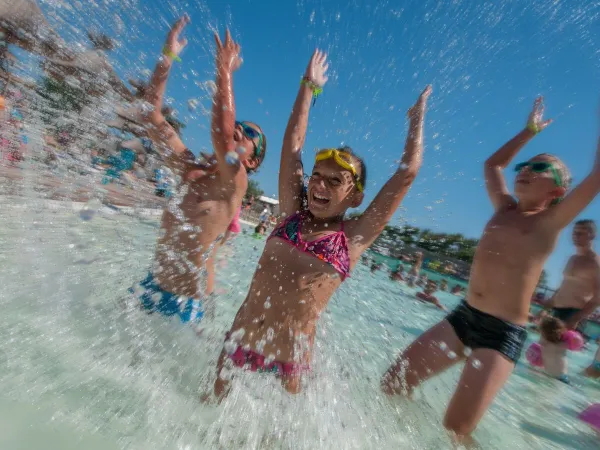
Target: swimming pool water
82, 367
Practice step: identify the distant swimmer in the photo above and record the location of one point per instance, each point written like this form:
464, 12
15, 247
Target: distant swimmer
488, 328
579, 294
210, 195
428, 295
415, 271
398, 274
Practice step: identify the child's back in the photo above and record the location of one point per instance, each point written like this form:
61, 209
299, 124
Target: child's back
555, 358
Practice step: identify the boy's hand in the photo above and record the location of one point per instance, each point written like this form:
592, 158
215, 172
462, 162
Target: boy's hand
535, 121
418, 109
174, 45
228, 54
317, 68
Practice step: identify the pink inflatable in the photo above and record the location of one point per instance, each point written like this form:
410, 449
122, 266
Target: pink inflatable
534, 355
591, 416
235, 226
574, 340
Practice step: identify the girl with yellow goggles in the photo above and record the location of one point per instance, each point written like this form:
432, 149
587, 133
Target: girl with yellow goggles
344, 160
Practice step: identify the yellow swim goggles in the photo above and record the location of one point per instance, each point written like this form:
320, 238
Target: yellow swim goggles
344, 160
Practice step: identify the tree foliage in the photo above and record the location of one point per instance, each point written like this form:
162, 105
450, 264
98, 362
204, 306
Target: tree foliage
253, 190
453, 245
543, 281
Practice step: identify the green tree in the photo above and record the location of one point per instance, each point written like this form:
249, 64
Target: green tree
543, 281
253, 190
452, 245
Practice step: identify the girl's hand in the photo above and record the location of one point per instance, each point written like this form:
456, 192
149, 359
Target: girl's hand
174, 45
228, 54
317, 68
418, 109
535, 121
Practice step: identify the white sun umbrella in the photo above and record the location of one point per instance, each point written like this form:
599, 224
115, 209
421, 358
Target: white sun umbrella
24, 25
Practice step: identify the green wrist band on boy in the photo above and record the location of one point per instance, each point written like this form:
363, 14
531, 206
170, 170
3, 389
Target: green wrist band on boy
171, 55
533, 127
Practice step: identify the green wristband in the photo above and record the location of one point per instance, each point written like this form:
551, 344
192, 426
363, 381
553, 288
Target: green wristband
533, 127
315, 88
171, 55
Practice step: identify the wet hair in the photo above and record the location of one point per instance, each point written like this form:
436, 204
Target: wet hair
263, 151
552, 329
362, 177
588, 223
563, 173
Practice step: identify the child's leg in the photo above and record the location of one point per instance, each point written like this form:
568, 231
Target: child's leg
210, 274
291, 383
221, 387
484, 374
433, 352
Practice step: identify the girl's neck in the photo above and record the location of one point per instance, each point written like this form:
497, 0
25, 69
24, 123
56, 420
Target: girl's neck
312, 223
326, 221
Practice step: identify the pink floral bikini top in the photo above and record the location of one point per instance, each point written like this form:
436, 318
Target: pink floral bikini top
332, 248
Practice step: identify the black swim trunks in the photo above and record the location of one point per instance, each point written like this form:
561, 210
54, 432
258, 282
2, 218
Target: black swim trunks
477, 329
564, 314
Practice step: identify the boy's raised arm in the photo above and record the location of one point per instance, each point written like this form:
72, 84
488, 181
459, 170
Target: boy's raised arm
384, 205
160, 131
223, 112
291, 172
495, 164
579, 198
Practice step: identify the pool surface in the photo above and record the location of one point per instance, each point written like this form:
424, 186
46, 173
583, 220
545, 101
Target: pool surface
82, 367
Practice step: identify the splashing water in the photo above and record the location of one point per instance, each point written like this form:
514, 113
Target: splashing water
81, 364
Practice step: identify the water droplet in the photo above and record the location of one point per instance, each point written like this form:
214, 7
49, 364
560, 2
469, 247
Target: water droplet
443, 346
267, 305
138, 290
270, 334
451, 355
467, 351
210, 87
232, 158
225, 374
476, 364
240, 150
237, 335
90, 209
230, 347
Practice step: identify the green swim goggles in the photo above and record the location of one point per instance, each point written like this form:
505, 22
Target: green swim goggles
540, 167
252, 133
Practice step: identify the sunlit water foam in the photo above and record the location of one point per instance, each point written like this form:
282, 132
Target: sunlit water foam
75, 346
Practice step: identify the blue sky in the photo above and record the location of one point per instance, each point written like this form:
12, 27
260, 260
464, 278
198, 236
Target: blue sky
487, 63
